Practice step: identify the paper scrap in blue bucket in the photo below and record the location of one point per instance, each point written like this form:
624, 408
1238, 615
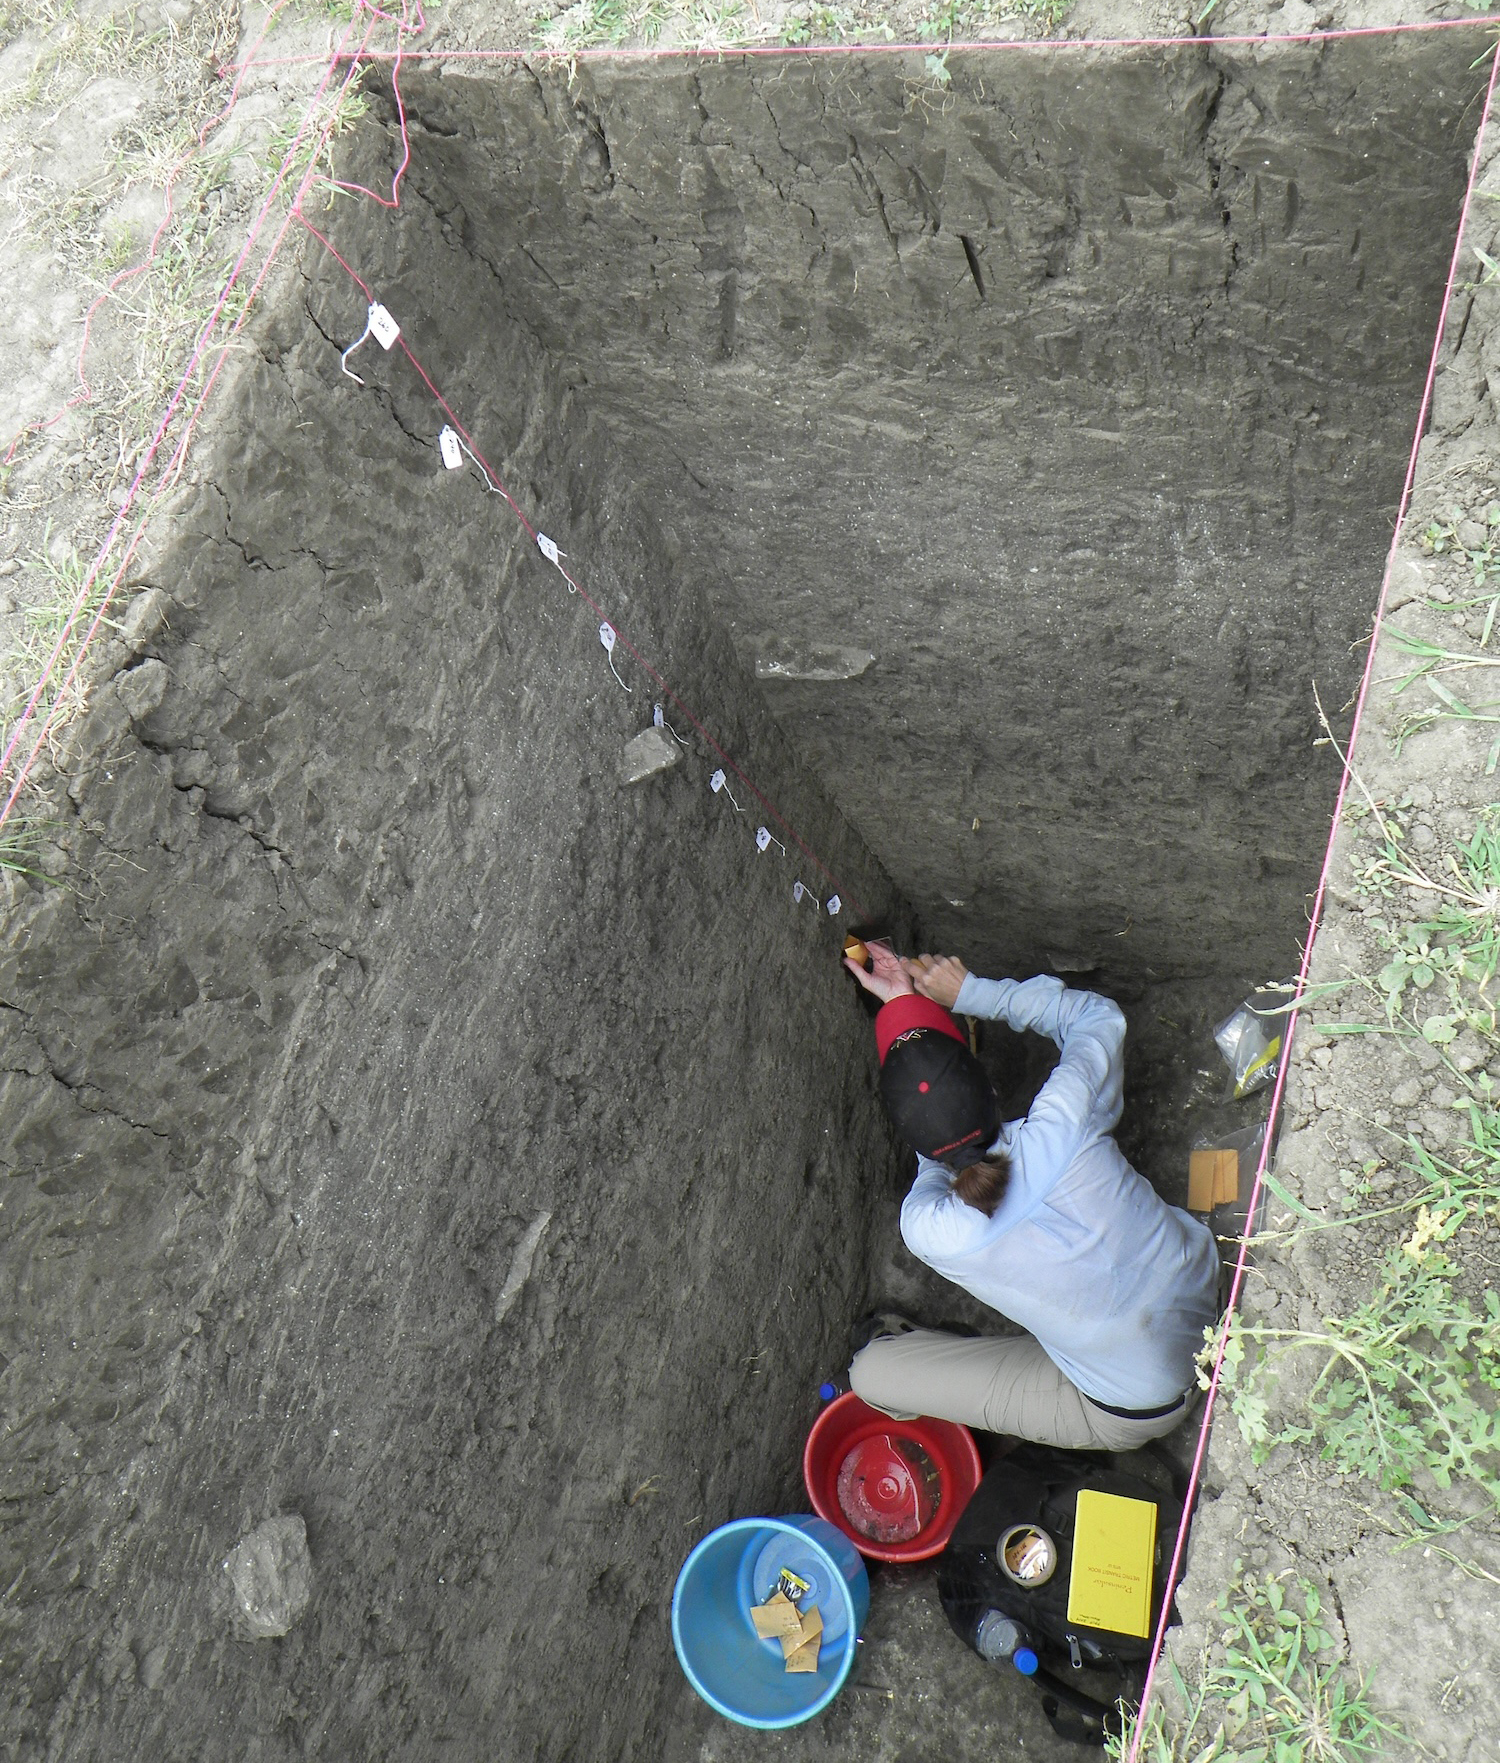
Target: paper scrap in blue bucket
738, 1674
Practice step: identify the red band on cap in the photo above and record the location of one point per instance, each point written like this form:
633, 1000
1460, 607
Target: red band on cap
902, 1015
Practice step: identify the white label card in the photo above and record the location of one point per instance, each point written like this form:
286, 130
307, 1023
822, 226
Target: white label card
383, 328
762, 838
547, 548
607, 637
834, 902
717, 782
798, 891
452, 453
656, 716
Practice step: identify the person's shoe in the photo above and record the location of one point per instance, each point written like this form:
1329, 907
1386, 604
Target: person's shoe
879, 1325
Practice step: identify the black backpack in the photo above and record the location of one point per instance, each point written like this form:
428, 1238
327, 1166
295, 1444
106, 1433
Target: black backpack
1011, 1624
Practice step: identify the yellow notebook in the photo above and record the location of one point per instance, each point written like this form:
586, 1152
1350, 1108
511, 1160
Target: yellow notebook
1114, 1542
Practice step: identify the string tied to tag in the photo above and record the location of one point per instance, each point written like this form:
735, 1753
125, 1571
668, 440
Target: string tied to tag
660, 721
453, 447
549, 550
720, 782
607, 637
378, 324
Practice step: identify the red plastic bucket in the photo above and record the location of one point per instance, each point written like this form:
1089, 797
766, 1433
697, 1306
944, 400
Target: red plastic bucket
896, 1488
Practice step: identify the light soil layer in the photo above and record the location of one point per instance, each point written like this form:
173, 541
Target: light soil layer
407, 1125
1042, 429
1420, 1613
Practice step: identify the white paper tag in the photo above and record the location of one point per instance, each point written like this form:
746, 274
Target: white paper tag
834, 902
798, 891
656, 716
717, 782
452, 453
383, 328
763, 838
548, 549
607, 637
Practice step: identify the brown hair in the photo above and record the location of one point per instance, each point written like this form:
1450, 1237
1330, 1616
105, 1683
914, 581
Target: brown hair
982, 1184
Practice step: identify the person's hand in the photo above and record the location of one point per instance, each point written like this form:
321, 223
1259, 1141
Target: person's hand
889, 978
939, 977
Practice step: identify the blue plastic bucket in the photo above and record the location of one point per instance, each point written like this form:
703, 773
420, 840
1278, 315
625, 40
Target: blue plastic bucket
731, 1667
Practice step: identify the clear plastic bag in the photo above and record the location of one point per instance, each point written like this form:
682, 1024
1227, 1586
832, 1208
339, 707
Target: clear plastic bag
1250, 1039
1230, 1220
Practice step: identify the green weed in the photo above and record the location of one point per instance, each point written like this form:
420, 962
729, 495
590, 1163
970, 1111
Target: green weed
1271, 1690
1404, 1385
51, 616
609, 23
1399, 1392
22, 842
332, 118
1440, 539
824, 23
1442, 965
949, 20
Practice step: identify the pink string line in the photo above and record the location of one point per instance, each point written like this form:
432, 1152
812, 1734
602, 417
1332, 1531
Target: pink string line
85, 394
764, 51
200, 349
1315, 917
404, 25
668, 690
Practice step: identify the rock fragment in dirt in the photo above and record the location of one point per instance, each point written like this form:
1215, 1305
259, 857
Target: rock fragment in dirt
142, 689
146, 616
271, 1572
1072, 961
652, 751
817, 661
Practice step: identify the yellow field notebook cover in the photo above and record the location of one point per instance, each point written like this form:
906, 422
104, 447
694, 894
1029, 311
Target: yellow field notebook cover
1114, 1541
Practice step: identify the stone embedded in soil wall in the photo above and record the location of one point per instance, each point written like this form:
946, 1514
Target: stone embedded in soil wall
397, 1104
1073, 391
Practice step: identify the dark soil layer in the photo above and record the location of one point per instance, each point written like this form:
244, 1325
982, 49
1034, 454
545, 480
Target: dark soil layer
411, 1127
408, 1125
1037, 433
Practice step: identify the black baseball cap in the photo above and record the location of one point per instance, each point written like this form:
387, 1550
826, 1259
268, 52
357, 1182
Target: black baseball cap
934, 1089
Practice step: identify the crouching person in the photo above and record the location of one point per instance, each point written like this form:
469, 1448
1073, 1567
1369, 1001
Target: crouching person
1042, 1219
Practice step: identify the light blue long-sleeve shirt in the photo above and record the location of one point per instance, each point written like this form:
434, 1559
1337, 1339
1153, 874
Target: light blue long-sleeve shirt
1082, 1252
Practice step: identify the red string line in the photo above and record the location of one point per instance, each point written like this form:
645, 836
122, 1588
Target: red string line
200, 349
1316, 916
416, 27
667, 688
766, 51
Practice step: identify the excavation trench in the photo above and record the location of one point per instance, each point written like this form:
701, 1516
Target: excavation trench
420, 1130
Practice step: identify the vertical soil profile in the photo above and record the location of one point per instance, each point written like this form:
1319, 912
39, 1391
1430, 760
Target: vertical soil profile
418, 1129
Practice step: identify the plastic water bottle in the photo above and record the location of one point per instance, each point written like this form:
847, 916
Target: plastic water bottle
998, 1637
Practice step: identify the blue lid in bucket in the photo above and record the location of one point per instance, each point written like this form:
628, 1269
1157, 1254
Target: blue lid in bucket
736, 1672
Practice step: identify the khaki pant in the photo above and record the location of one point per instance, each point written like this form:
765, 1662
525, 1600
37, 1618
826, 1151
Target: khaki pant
999, 1383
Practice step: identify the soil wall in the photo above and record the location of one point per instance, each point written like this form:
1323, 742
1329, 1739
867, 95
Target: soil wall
1036, 429
408, 1125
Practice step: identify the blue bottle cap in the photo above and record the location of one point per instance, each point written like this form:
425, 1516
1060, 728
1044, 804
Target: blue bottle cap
827, 1391
1025, 1661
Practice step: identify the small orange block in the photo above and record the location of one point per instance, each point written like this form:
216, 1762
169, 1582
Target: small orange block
1213, 1179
